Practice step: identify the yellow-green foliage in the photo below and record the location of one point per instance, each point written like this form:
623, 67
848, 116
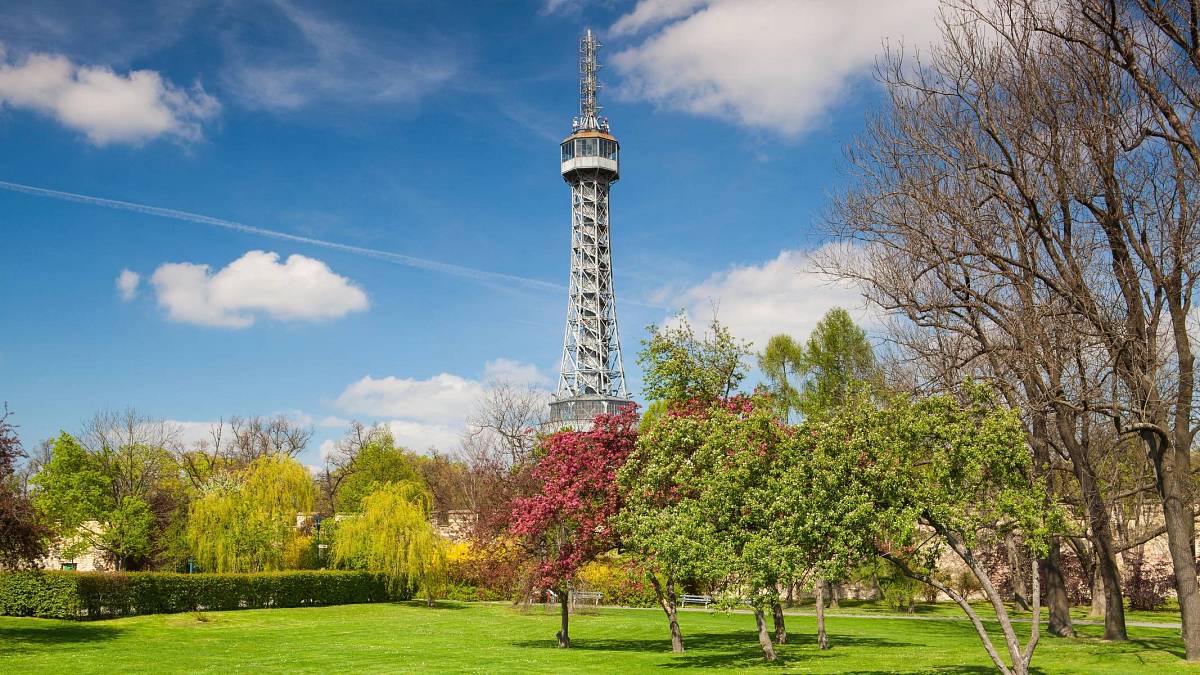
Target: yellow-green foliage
247, 524
393, 535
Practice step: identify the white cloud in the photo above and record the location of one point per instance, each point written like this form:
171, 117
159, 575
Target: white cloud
333, 421
327, 448
301, 288
335, 63
514, 372
127, 284
106, 106
441, 398
419, 436
783, 295
189, 433
431, 412
771, 64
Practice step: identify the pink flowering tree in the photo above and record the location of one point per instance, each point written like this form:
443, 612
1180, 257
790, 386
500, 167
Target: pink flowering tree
569, 519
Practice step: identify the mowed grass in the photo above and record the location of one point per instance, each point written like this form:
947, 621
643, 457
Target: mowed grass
459, 637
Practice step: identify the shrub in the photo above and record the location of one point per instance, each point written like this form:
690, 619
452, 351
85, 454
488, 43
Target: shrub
492, 571
77, 595
620, 582
1147, 583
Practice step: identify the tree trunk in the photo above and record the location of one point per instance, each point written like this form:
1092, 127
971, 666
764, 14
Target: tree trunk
1056, 591
764, 637
822, 638
780, 627
1020, 592
667, 601
833, 596
1100, 526
1099, 597
1178, 515
564, 634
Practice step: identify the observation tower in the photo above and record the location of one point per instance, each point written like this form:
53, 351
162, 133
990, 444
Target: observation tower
592, 377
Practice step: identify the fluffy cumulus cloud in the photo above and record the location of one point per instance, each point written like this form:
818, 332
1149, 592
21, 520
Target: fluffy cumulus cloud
108, 107
429, 413
298, 289
770, 64
783, 295
514, 372
127, 284
441, 398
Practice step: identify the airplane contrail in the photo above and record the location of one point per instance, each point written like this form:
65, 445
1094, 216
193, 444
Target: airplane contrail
388, 256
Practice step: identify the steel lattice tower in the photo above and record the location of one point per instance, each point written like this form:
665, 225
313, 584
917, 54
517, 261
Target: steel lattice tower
592, 376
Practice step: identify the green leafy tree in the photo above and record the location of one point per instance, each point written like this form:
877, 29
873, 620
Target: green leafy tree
661, 522
129, 529
910, 478
378, 462
244, 521
680, 366
75, 496
392, 534
781, 363
836, 356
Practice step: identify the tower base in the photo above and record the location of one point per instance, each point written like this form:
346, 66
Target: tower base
577, 412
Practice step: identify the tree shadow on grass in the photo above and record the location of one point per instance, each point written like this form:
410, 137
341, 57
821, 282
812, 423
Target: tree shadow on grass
34, 638
440, 604
941, 670
709, 650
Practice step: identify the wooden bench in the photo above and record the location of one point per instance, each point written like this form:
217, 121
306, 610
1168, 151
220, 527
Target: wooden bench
592, 597
705, 600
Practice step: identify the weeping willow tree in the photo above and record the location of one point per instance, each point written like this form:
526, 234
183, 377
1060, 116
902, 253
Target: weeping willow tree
245, 522
392, 534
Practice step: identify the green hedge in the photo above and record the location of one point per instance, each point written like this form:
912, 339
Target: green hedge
89, 595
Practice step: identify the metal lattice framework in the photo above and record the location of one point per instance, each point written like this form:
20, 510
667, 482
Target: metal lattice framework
592, 376
591, 363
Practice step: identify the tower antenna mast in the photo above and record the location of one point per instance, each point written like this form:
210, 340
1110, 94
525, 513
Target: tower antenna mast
589, 85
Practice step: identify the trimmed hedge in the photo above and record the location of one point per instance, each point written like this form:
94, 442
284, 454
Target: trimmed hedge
93, 595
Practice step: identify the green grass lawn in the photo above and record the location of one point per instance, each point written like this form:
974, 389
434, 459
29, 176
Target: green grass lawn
458, 637
1168, 614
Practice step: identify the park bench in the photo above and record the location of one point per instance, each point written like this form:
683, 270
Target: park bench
586, 597
705, 600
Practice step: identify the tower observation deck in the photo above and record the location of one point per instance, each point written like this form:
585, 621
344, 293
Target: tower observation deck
592, 376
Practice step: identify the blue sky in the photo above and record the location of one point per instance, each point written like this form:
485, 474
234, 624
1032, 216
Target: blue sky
427, 130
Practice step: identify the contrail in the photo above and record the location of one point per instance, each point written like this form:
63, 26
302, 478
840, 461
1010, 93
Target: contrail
388, 256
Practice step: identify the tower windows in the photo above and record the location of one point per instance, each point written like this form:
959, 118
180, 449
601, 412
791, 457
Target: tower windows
589, 147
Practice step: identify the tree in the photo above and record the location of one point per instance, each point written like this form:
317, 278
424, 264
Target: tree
22, 533
743, 449
235, 444
1036, 180
780, 362
392, 534
911, 477
74, 495
680, 366
836, 357
568, 521
661, 522
375, 463
243, 520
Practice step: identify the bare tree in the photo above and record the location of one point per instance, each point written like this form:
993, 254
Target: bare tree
340, 463
498, 450
254, 437
1019, 214
135, 449
506, 421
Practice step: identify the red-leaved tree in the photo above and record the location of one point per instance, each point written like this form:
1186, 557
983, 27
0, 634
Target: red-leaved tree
568, 521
